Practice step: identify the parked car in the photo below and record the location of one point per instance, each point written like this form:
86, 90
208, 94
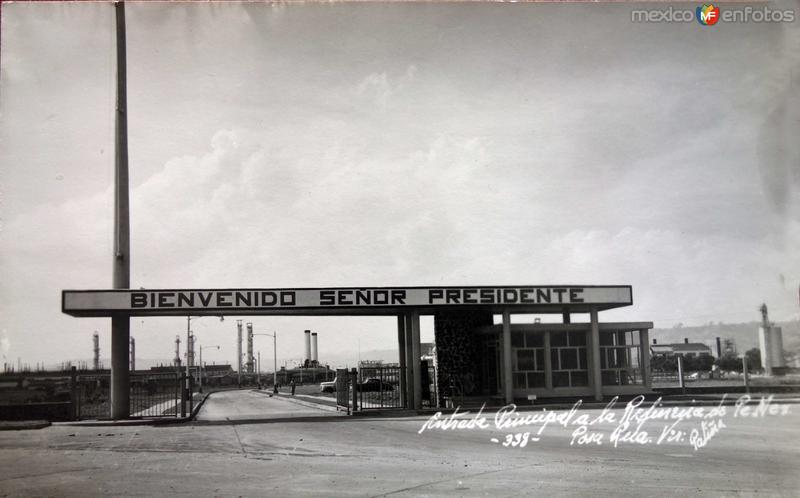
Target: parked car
375, 384
328, 387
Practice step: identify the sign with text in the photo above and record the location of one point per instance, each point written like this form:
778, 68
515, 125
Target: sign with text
367, 300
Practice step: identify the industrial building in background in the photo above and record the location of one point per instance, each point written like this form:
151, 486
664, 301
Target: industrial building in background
770, 341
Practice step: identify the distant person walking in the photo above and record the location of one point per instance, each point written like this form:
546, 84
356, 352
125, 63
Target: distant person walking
292, 384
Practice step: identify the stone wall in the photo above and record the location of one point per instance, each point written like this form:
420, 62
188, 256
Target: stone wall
458, 352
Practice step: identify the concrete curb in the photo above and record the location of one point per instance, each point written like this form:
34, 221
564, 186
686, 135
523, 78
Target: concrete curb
127, 422
199, 405
23, 425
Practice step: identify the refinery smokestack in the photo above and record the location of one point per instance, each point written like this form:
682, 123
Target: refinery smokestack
250, 362
177, 359
190, 351
133, 354
314, 358
308, 346
239, 349
96, 339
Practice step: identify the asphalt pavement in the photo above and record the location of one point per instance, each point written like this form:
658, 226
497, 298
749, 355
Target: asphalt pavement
256, 405
744, 455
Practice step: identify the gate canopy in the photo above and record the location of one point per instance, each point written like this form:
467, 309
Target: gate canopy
344, 300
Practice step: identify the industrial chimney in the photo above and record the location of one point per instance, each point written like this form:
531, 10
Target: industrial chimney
133, 354
190, 351
96, 339
308, 347
250, 363
239, 349
177, 359
314, 358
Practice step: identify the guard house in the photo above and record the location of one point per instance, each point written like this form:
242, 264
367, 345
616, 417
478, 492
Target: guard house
484, 361
476, 358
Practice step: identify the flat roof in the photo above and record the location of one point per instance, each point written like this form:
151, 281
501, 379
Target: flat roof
344, 300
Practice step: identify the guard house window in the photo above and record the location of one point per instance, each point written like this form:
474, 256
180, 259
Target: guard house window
529, 356
568, 359
620, 358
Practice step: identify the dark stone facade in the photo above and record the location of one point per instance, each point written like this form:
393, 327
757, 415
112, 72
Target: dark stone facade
458, 352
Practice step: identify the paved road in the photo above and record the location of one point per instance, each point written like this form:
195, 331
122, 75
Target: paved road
251, 405
346, 456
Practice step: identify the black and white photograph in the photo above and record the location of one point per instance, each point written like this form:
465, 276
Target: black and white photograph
399, 248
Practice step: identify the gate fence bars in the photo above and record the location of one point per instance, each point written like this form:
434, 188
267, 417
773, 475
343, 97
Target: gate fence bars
379, 387
151, 395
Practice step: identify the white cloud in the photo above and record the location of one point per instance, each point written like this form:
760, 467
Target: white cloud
380, 88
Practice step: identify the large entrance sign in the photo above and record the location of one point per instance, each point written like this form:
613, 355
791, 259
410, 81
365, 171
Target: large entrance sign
346, 300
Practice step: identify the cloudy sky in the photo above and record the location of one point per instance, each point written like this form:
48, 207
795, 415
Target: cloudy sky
386, 144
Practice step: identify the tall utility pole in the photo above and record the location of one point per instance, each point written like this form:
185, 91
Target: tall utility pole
121, 324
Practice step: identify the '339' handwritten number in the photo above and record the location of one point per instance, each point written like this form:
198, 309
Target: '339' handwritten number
518, 439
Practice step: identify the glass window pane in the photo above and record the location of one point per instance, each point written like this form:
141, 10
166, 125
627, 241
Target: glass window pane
534, 339
577, 338
525, 359
622, 357
606, 338
582, 357
517, 339
560, 379
540, 359
604, 358
554, 359
536, 380
633, 355
558, 339
569, 359
519, 381
609, 377
621, 338
579, 379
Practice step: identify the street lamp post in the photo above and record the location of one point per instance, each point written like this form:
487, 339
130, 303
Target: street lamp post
200, 372
189, 348
274, 336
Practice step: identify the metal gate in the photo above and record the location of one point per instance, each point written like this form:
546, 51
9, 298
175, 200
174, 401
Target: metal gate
155, 395
152, 395
379, 387
343, 398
